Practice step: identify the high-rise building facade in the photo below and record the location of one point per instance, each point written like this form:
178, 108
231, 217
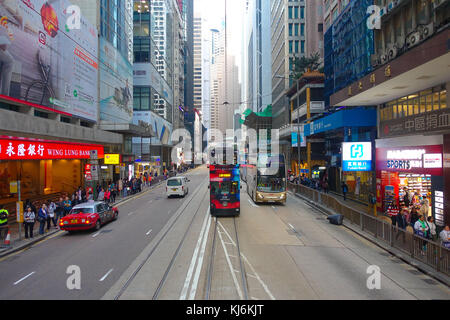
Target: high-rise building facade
296, 31
257, 60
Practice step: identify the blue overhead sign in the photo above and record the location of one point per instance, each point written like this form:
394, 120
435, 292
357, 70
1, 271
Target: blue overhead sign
359, 117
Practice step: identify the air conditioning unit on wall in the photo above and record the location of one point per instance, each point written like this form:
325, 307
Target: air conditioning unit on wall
392, 52
413, 40
426, 31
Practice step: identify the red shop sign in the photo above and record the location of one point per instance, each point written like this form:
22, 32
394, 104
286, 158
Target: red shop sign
12, 148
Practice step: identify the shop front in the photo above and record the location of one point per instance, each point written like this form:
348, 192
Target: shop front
43, 167
414, 164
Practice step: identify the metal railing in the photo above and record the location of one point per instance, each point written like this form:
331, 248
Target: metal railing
429, 252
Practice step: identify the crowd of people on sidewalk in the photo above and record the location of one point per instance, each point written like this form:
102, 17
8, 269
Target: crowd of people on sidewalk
414, 210
50, 212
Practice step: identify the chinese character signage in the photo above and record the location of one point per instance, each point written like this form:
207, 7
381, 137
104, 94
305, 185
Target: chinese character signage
46, 63
356, 156
420, 123
33, 149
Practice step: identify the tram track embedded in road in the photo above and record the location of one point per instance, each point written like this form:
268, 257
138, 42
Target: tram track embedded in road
210, 271
136, 271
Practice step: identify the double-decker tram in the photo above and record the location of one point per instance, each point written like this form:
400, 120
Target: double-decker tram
266, 181
224, 185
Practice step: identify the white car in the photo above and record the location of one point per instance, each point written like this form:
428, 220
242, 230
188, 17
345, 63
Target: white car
177, 186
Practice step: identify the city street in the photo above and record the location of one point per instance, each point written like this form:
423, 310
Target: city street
162, 248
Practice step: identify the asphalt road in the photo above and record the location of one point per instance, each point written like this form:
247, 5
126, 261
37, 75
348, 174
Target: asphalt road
39, 272
288, 252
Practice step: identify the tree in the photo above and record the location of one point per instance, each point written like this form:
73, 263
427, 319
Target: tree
301, 65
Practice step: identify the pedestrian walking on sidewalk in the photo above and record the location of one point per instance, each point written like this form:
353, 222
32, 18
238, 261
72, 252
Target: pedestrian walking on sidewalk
344, 190
101, 195
51, 214
59, 209
107, 195
28, 222
42, 218
401, 224
432, 234
67, 206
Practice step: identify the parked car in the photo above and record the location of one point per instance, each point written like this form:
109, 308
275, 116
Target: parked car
88, 215
177, 186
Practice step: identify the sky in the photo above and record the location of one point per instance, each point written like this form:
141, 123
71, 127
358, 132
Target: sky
214, 10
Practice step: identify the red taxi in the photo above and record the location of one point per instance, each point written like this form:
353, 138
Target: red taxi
88, 215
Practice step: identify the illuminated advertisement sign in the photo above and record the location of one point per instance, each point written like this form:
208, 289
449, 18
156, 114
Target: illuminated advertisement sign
37, 149
112, 159
46, 64
420, 159
356, 156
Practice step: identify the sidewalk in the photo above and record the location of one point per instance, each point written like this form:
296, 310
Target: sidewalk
379, 241
19, 244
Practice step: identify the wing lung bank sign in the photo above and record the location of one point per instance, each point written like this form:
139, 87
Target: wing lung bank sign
36, 149
420, 160
46, 63
162, 128
116, 85
356, 156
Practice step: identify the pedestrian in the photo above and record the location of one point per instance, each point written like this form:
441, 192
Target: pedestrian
42, 218
421, 229
344, 190
445, 237
101, 195
113, 194
424, 208
4, 228
28, 222
432, 234
401, 223
107, 195
90, 196
51, 214
414, 216
67, 206
59, 208
406, 197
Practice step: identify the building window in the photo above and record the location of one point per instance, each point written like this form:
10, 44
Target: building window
141, 98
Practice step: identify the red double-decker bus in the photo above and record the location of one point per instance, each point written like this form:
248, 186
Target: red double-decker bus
224, 186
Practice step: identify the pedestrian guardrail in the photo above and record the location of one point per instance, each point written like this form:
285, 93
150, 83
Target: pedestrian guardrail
429, 252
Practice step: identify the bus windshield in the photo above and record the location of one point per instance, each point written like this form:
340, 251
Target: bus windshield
224, 187
271, 176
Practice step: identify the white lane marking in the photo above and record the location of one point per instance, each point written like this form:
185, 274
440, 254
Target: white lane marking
266, 289
20, 280
148, 232
251, 202
106, 275
228, 243
131, 213
253, 298
188, 279
200, 260
273, 207
230, 266
290, 225
251, 275
96, 234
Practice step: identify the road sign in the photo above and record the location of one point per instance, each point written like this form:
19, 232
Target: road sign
19, 211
